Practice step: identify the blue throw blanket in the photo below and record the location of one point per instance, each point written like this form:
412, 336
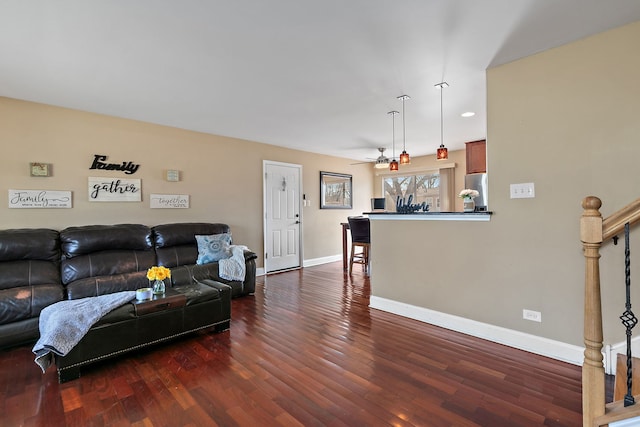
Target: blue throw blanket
63, 324
234, 267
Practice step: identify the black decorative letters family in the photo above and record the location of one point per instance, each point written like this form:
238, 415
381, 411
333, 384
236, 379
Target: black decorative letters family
99, 163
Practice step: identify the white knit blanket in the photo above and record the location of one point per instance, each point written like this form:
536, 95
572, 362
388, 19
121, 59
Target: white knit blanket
234, 267
63, 324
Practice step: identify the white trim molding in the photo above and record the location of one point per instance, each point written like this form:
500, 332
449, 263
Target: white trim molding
611, 353
322, 260
534, 344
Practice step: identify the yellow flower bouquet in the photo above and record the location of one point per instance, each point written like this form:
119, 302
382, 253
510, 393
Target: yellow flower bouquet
157, 274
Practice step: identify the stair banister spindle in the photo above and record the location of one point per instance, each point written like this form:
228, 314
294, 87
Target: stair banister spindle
629, 320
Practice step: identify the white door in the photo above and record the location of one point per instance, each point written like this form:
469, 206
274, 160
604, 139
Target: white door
282, 216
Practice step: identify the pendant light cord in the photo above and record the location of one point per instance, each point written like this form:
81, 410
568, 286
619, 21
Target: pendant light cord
404, 129
441, 118
393, 134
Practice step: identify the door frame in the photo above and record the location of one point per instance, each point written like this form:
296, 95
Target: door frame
265, 164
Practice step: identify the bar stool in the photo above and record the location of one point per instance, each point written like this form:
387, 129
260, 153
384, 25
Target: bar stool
360, 238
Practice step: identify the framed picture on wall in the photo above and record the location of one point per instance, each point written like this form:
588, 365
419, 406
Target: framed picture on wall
336, 190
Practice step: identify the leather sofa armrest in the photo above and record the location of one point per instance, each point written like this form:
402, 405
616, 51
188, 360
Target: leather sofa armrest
249, 255
216, 285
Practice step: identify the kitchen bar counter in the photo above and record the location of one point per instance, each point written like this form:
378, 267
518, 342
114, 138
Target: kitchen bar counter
430, 216
416, 216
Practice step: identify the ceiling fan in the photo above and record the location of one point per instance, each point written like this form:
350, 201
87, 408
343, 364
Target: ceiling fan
379, 163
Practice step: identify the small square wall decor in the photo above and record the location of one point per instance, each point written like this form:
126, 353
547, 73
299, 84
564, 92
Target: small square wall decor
40, 169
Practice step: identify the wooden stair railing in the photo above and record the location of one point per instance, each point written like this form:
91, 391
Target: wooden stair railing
594, 231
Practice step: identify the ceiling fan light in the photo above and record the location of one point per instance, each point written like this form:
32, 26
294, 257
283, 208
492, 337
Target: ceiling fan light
393, 166
404, 158
381, 164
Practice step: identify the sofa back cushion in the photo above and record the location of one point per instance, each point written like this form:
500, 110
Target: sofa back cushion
29, 244
101, 259
176, 243
29, 257
95, 238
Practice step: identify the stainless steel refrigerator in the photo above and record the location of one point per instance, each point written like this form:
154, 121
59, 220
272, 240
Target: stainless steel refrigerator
478, 182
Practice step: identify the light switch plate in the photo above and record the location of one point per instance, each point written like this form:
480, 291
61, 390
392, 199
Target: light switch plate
522, 191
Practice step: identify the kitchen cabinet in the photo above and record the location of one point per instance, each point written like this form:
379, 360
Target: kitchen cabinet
476, 156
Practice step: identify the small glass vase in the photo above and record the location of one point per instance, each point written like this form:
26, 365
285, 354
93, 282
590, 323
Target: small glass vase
468, 205
158, 287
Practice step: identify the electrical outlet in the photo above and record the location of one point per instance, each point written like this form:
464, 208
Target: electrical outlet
534, 316
522, 191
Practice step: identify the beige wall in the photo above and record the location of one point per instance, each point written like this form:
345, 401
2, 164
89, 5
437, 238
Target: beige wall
566, 120
223, 176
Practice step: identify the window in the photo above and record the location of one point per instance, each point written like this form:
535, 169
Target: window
420, 186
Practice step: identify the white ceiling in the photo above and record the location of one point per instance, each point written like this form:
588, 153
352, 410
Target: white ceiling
315, 75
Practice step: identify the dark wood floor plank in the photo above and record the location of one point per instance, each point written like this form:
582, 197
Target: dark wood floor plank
305, 350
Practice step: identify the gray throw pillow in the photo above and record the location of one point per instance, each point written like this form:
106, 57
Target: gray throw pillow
213, 248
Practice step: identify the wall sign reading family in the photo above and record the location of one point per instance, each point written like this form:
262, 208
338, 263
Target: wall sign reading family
99, 162
169, 201
114, 190
24, 199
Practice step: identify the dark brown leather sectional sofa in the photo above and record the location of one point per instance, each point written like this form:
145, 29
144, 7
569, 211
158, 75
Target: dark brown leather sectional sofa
39, 267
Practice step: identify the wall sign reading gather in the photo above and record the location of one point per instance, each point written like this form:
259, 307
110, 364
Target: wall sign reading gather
114, 190
99, 163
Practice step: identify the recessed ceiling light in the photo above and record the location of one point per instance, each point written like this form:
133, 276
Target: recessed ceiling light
468, 114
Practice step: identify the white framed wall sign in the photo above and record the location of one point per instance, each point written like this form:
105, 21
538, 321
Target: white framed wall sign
114, 190
39, 199
169, 201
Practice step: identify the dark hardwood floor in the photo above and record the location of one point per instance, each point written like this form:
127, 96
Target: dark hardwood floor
306, 350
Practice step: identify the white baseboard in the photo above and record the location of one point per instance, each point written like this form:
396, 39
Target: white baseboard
612, 350
308, 263
323, 260
534, 344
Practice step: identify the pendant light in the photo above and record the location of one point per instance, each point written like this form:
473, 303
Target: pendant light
393, 165
442, 153
404, 157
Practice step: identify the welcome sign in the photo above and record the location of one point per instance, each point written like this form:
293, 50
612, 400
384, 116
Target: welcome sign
114, 190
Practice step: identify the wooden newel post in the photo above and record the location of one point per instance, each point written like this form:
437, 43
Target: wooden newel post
593, 390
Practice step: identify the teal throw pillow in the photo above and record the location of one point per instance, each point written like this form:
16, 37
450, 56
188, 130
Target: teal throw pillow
213, 248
